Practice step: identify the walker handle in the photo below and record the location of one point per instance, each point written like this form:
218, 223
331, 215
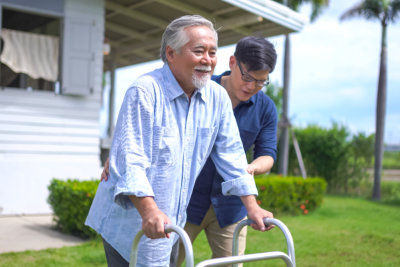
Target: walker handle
267, 222
168, 229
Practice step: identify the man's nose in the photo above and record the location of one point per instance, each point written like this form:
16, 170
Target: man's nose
206, 59
250, 85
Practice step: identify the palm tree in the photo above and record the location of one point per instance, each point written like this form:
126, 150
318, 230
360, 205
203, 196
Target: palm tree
386, 11
316, 10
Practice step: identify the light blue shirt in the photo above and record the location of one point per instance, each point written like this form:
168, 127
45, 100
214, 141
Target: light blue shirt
161, 142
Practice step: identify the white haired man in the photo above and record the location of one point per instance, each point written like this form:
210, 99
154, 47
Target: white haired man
170, 122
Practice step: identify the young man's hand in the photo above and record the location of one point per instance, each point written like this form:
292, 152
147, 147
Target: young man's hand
106, 170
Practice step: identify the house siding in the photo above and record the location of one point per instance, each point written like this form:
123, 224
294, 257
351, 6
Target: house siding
44, 135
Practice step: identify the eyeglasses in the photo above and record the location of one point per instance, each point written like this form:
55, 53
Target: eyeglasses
248, 78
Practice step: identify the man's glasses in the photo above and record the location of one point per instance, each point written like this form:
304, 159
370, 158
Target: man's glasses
248, 78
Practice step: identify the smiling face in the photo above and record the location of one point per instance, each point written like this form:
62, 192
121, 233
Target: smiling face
194, 63
240, 90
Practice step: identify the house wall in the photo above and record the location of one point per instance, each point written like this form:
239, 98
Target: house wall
44, 135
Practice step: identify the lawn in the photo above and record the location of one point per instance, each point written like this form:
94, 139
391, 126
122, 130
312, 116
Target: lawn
343, 232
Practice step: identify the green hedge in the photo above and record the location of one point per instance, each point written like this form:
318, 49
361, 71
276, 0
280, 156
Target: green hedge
71, 201
340, 158
290, 195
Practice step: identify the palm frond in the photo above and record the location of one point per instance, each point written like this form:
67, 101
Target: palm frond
369, 9
317, 8
352, 12
394, 11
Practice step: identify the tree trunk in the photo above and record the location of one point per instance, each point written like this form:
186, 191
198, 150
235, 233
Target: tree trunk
284, 138
380, 118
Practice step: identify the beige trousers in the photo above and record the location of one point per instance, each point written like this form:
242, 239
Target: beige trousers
219, 239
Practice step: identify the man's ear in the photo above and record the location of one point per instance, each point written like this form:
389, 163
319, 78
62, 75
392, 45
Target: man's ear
232, 62
170, 53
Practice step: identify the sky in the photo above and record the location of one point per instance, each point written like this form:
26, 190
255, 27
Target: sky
334, 72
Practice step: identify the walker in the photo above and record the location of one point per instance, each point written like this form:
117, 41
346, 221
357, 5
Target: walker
288, 258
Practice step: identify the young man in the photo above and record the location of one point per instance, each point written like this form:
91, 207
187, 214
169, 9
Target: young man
170, 122
256, 115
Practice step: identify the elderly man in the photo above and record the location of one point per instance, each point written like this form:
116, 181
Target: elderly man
256, 115
170, 122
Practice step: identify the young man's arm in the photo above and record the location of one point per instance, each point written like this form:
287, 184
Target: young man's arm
260, 165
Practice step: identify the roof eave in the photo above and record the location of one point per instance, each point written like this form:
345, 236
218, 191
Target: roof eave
274, 12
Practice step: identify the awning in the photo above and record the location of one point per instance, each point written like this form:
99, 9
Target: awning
134, 28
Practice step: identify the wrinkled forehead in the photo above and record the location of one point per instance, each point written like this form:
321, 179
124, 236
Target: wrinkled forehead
200, 34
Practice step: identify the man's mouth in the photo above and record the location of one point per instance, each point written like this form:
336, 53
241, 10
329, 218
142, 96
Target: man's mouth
203, 69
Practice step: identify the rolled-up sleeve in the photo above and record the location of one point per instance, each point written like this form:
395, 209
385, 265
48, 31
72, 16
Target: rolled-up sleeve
132, 147
229, 157
265, 144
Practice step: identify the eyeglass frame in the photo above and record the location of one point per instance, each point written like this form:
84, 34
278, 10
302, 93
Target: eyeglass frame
250, 79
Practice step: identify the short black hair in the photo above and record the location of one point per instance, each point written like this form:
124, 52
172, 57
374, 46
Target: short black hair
256, 53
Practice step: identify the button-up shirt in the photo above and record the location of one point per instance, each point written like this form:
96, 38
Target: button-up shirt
161, 141
257, 121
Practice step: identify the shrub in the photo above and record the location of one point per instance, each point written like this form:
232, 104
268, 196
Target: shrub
391, 160
390, 191
70, 201
292, 195
333, 154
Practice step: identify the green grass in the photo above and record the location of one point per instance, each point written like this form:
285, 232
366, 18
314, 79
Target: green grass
391, 160
89, 254
343, 232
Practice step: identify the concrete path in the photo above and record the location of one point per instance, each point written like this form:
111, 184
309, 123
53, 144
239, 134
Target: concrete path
19, 233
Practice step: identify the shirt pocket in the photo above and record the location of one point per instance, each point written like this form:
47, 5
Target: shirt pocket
205, 142
165, 146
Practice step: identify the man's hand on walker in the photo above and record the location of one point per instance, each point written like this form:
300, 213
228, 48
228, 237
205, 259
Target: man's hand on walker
106, 170
153, 219
256, 213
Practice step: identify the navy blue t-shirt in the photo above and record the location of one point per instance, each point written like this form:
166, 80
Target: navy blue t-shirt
257, 121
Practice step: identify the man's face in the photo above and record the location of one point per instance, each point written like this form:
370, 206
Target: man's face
194, 64
242, 90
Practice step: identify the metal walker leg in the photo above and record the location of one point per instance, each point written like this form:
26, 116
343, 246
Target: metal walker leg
289, 258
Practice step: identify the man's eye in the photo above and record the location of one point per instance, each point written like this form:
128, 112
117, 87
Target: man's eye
198, 51
247, 78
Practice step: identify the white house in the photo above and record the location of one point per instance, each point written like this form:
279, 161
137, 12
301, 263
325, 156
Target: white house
53, 56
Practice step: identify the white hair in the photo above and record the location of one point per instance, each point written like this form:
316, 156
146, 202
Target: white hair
175, 36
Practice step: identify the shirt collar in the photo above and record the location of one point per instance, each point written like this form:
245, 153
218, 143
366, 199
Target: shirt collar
174, 90
251, 101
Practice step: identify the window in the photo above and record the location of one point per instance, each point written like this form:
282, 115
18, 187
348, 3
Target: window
28, 34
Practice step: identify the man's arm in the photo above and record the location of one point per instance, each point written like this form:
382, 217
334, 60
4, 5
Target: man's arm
153, 219
231, 163
130, 159
260, 165
256, 213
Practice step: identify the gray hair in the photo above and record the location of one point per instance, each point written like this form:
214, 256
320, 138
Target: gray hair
175, 37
